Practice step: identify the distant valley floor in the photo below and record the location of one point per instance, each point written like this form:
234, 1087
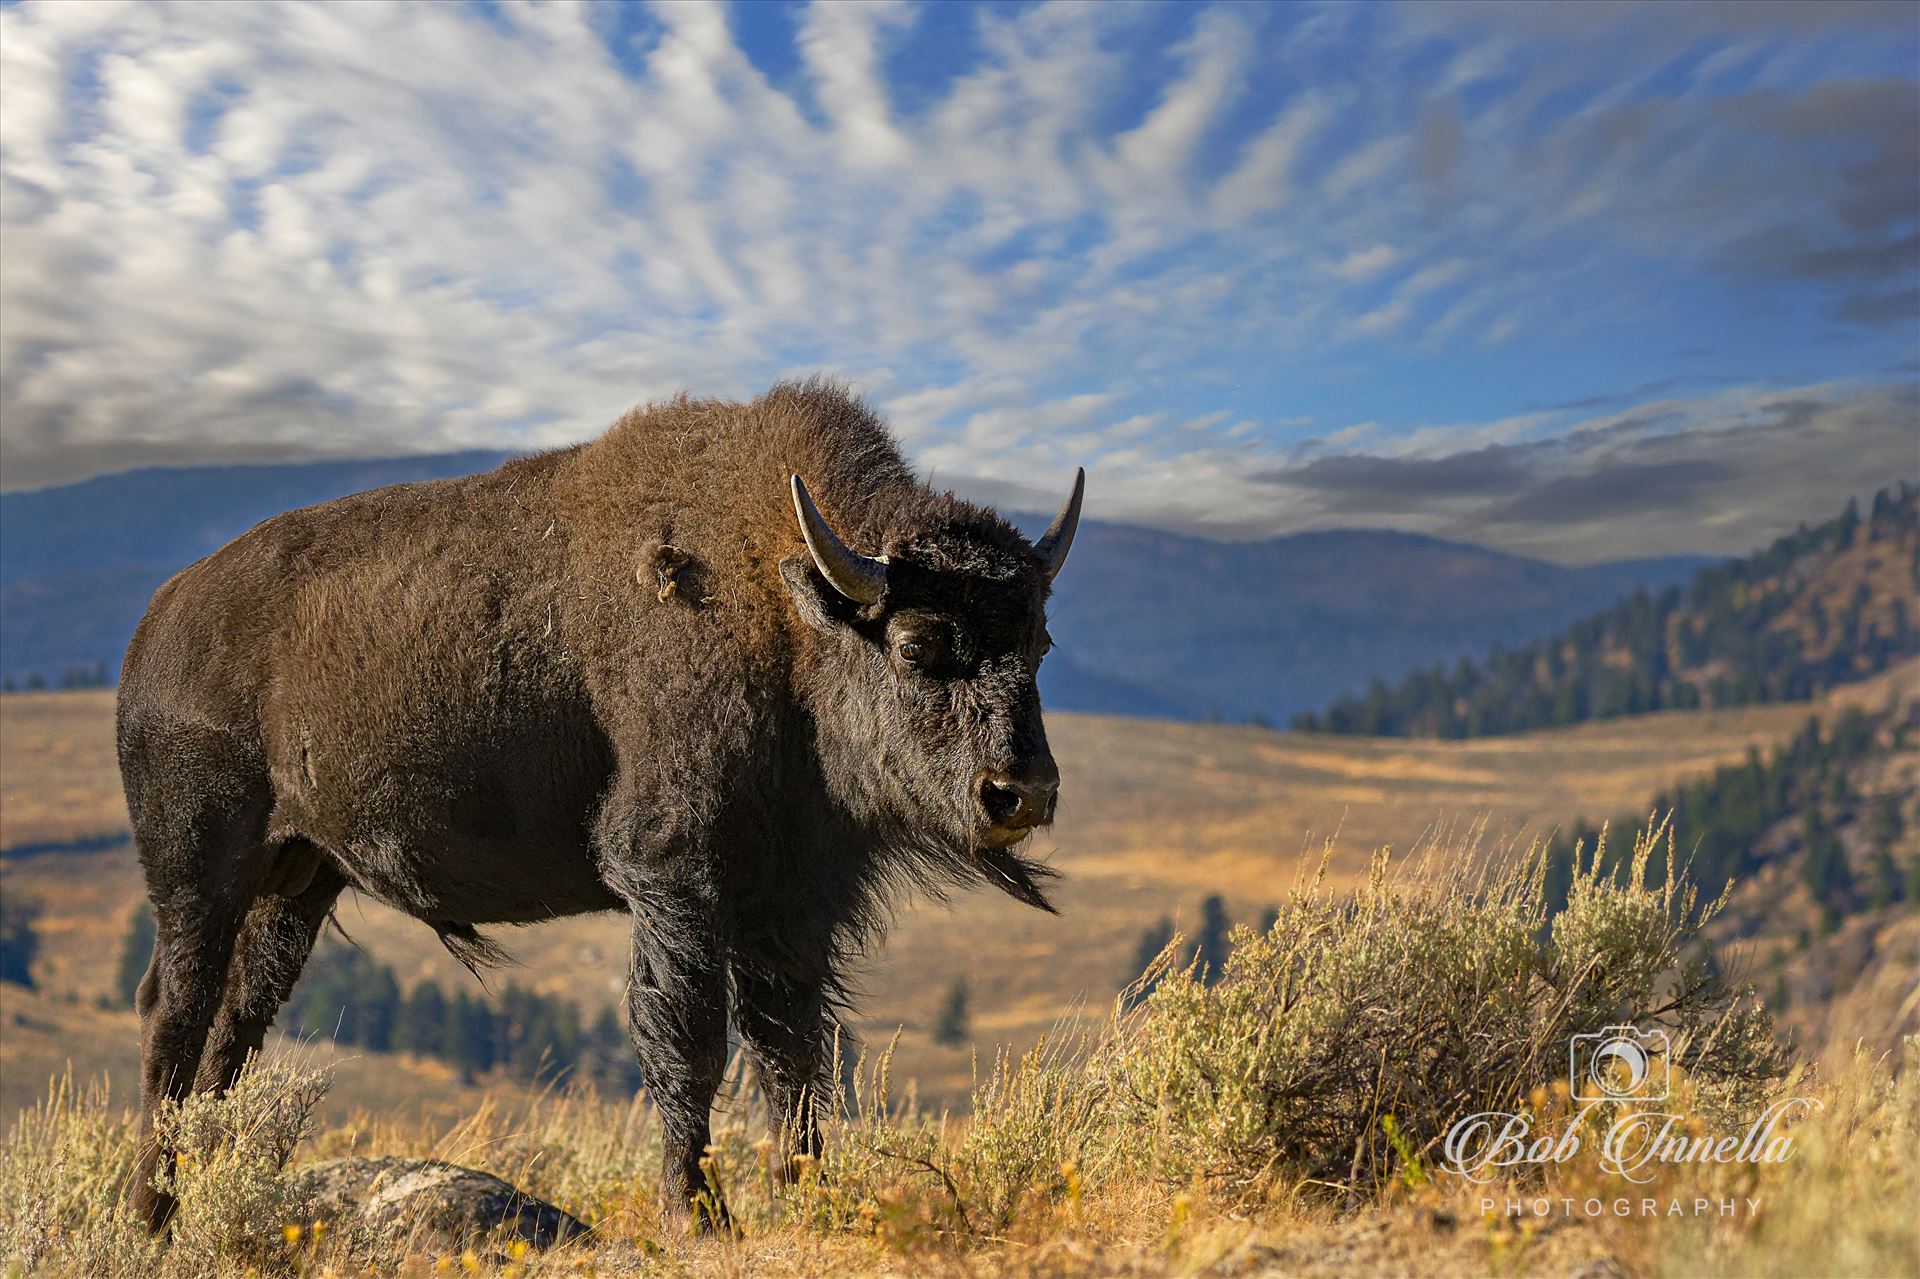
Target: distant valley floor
1155, 817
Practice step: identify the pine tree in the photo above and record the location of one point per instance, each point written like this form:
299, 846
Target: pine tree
1152, 942
19, 943
607, 1056
379, 1008
422, 1025
952, 1027
1887, 886
1211, 954
471, 1042
1824, 862
564, 1036
1559, 877
1847, 525
1885, 825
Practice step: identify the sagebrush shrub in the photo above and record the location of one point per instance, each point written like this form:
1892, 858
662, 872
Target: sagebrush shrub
66, 1163
231, 1162
1420, 1000
65, 1173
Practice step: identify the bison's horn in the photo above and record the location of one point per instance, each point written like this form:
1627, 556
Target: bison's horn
1054, 543
859, 578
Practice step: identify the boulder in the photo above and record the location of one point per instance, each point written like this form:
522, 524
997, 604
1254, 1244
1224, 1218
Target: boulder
428, 1201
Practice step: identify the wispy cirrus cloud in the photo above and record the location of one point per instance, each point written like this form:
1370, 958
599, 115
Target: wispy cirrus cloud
1170, 242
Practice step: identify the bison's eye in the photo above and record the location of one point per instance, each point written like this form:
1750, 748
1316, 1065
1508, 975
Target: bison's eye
926, 647
1046, 643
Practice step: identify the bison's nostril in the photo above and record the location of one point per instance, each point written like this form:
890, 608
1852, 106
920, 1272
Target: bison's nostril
1019, 798
1000, 801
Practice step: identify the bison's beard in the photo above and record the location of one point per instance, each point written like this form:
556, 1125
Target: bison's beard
915, 856
1018, 877
933, 848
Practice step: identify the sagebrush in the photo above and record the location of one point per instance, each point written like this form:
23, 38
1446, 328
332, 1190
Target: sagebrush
1412, 1003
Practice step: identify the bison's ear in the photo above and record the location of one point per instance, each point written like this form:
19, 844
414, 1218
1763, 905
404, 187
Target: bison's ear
810, 592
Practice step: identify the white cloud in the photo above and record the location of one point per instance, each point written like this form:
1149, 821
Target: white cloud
291, 230
1263, 178
1427, 279
1215, 56
1364, 264
1364, 167
1380, 321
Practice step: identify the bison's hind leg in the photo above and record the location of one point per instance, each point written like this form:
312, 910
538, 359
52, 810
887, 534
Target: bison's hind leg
274, 943
199, 800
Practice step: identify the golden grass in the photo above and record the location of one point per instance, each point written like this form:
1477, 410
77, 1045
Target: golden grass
1139, 1151
59, 778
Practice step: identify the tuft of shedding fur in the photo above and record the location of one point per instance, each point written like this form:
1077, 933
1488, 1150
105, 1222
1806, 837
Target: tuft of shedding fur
474, 951
606, 677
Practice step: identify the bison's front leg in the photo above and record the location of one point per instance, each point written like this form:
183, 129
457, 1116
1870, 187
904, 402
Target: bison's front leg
785, 1021
677, 1012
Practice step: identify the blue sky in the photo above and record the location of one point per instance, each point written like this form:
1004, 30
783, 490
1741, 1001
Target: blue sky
1578, 280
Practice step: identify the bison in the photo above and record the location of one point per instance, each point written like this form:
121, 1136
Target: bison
648, 673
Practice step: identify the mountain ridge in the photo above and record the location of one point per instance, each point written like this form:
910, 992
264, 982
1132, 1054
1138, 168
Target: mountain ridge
1825, 605
1148, 622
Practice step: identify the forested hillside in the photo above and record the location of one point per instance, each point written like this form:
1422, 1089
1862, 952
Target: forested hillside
349, 997
1820, 842
1820, 607
1833, 801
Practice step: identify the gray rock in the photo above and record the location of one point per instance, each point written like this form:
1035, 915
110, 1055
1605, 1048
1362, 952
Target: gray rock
425, 1200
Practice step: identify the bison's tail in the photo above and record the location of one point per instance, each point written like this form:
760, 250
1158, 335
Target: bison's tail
475, 952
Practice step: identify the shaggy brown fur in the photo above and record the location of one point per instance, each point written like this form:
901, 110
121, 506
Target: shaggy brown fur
608, 677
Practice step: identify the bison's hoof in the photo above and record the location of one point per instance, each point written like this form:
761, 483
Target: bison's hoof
704, 1213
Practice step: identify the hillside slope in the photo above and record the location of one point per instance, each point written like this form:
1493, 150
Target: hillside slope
1155, 817
44, 1036
1147, 623
1820, 607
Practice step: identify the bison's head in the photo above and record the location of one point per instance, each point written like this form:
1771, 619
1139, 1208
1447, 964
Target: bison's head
924, 693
